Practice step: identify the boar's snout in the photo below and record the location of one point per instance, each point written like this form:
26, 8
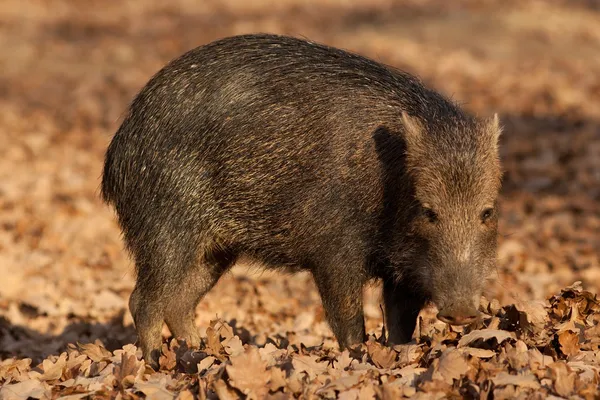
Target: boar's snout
458, 316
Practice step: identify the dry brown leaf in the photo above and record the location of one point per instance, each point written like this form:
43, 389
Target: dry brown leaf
95, 351
185, 395
345, 382
521, 380
478, 353
344, 360
224, 329
51, 371
408, 375
75, 396
233, 346
295, 382
168, 358
272, 355
223, 391
351, 394
128, 369
367, 392
535, 311
248, 373
391, 391
155, 388
538, 361
506, 392
308, 364
408, 353
569, 342
13, 369
75, 362
23, 390
586, 372
383, 357
277, 379
452, 365
213, 343
485, 335
563, 378
206, 363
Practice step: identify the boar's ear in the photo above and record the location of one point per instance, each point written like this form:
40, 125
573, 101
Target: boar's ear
493, 129
413, 131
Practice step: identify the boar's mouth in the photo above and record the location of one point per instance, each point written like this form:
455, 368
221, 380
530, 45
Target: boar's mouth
459, 318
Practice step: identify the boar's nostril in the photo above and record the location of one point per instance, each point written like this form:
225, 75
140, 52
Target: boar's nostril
457, 319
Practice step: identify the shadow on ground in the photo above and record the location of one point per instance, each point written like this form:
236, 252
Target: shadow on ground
22, 342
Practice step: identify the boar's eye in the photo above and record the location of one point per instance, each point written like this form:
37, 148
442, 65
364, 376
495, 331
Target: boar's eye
430, 214
487, 214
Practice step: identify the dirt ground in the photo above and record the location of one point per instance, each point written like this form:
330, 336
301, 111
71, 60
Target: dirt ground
69, 69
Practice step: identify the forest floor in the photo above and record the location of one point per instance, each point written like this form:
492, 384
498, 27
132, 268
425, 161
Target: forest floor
69, 69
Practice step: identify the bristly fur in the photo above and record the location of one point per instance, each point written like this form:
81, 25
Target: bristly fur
302, 156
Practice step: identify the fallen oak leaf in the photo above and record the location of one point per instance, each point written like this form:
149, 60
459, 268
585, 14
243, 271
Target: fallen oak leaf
527, 380
128, 370
408, 353
478, 353
271, 354
168, 358
248, 373
206, 363
535, 312
452, 365
343, 383
352, 394
213, 343
51, 370
13, 369
74, 364
391, 391
367, 393
277, 380
569, 342
95, 351
344, 360
382, 357
485, 335
295, 382
155, 387
224, 329
308, 364
563, 377
233, 346
408, 375
223, 391
185, 395
75, 396
586, 372
24, 390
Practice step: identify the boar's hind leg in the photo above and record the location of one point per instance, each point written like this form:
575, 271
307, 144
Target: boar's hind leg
147, 311
341, 294
197, 281
170, 282
402, 306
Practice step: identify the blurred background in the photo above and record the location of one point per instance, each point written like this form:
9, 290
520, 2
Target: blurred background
68, 70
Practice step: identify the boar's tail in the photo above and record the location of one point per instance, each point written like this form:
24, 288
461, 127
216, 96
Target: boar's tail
110, 181
114, 174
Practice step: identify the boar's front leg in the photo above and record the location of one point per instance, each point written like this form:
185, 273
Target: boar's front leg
341, 294
402, 306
